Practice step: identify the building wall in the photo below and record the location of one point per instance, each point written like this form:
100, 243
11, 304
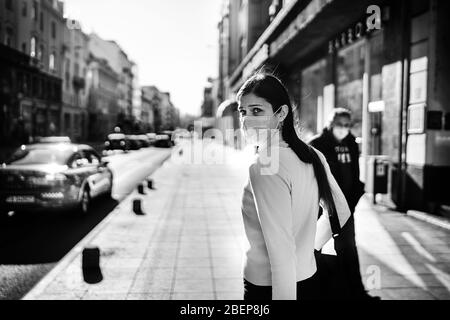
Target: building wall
120, 63
395, 80
102, 106
74, 113
35, 29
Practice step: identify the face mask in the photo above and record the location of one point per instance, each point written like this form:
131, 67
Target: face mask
340, 133
257, 128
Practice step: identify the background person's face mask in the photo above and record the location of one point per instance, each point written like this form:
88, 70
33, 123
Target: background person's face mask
340, 133
257, 128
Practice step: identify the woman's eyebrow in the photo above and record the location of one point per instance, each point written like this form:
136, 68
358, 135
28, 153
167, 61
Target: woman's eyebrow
250, 106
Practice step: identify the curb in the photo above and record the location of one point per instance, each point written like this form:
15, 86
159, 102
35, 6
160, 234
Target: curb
426, 217
39, 288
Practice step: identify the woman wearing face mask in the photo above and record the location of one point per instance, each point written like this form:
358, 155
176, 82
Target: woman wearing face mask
280, 209
340, 149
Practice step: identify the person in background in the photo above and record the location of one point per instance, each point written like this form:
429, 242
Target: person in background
339, 147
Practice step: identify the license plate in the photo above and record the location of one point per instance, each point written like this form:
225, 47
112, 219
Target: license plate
20, 199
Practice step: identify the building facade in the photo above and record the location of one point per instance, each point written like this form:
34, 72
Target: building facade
386, 62
32, 39
149, 104
162, 114
103, 108
120, 63
74, 113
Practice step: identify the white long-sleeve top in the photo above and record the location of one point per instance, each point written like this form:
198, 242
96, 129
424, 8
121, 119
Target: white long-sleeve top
280, 213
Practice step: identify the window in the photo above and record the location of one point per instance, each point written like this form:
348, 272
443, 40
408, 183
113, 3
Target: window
53, 29
24, 47
40, 54
92, 157
8, 4
8, 36
67, 80
52, 62
33, 47
41, 21
24, 9
34, 11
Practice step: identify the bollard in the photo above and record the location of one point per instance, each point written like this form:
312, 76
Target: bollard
137, 207
141, 189
92, 273
91, 258
150, 184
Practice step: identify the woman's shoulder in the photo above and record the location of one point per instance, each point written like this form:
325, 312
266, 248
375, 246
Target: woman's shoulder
281, 161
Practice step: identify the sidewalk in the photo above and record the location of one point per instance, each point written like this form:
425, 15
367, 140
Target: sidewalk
190, 245
412, 256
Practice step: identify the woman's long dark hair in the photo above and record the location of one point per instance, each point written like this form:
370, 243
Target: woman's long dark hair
271, 89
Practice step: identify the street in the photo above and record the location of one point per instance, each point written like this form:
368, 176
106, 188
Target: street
190, 243
174, 150
30, 245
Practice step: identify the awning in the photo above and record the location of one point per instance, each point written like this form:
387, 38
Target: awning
315, 26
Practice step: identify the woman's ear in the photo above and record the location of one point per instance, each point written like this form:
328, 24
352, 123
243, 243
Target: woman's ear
283, 112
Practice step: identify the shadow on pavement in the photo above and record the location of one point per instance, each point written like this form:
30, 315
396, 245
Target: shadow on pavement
38, 238
419, 265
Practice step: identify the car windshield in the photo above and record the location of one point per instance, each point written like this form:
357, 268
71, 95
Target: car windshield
40, 156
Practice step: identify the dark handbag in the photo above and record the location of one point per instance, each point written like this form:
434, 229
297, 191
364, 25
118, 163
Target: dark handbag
359, 192
330, 268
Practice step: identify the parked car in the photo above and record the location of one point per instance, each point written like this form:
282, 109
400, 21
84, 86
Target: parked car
163, 141
116, 141
152, 137
53, 176
54, 139
134, 142
145, 141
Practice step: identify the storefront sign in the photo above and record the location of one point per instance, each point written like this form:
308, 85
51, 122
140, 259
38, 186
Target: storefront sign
371, 23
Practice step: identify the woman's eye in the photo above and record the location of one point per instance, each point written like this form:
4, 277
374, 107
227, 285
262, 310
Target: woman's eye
242, 112
256, 111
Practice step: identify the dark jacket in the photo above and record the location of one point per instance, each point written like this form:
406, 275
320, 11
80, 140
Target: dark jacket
325, 143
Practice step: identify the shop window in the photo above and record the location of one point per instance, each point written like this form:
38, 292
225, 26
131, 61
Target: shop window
312, 114
350, 71
419, 28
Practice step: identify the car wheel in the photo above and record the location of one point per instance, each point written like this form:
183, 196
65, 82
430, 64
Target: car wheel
3, 216
85, 202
